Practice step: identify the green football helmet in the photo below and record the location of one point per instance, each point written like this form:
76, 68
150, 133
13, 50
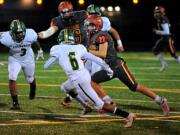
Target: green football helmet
66, 36
93, 10
17, 30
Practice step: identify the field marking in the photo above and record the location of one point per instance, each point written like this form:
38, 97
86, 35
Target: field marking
129, 100
104, 86
139, 79
44, 122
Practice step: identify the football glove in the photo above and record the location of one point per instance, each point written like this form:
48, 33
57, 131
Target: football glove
40, 54
110, 72
1, 64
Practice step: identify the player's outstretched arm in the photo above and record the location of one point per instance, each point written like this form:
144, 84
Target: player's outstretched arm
47, 33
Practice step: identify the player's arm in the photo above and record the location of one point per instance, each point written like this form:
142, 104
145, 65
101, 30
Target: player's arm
53, 57
52, 60
102, 52
118, 39
40, 51
47, 33
99, 61
165, 30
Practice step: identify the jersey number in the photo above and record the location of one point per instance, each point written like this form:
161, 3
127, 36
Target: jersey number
73, 61
23, 52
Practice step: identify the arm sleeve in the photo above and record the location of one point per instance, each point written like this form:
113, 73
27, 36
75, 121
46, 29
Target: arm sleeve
165, 29
106, 24
95, 59
50, 62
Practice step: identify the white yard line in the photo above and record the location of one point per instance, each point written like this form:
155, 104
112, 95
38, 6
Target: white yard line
128, 100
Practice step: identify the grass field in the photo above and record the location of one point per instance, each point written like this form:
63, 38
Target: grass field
45, 116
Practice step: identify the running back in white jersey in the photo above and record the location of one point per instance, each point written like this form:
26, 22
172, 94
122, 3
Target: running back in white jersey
21, 51
69, 57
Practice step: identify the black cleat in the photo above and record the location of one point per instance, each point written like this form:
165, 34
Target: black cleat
15, 107
66, 101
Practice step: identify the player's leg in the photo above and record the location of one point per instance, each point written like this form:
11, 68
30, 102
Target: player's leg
29, 75
156, 50
128, 79
86, 88
172, 50
13, 68
98, 77
70, 89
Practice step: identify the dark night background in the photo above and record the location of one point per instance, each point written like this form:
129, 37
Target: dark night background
134, 23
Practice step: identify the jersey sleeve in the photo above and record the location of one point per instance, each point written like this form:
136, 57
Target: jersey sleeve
54, 52
5, 38
106, 24
32, 35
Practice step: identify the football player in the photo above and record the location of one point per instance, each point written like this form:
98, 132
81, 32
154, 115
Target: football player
67, 19
105, 50
95, 10
165, 40
69, 57
19, 40
70, 19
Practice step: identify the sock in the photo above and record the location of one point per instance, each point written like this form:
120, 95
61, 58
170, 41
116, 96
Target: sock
15, 99
161, 59
157, 99
107, 99
33, 86
119, 112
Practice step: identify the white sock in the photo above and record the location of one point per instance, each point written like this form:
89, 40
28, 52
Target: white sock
157, 99
107, 99
161, 59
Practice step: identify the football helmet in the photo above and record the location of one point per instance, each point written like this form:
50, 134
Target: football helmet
17, 30
93, 23
159, 11
65, 9
93, 10
66, 36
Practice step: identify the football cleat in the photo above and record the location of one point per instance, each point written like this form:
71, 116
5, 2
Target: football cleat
66, 101
15, 106
130, 119
164, 67
86, 110
178, 59
164, 106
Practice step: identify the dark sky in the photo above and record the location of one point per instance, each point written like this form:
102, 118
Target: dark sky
135, 22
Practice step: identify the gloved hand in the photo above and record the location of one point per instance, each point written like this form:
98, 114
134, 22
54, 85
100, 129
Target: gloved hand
1, 64
40, 54
110, 72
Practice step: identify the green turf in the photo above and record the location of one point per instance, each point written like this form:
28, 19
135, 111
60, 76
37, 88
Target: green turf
67, 121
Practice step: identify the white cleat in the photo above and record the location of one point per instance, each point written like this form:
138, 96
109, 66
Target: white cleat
164, 106
178, 59
164, 67
130, 119
1, 64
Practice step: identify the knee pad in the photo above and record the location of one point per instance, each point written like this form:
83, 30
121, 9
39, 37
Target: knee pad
12, 77
30, 79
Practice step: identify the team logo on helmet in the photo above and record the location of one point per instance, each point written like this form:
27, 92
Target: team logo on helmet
66, 36
93, 10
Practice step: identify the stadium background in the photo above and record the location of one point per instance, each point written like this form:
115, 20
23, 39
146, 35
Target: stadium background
134, 22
